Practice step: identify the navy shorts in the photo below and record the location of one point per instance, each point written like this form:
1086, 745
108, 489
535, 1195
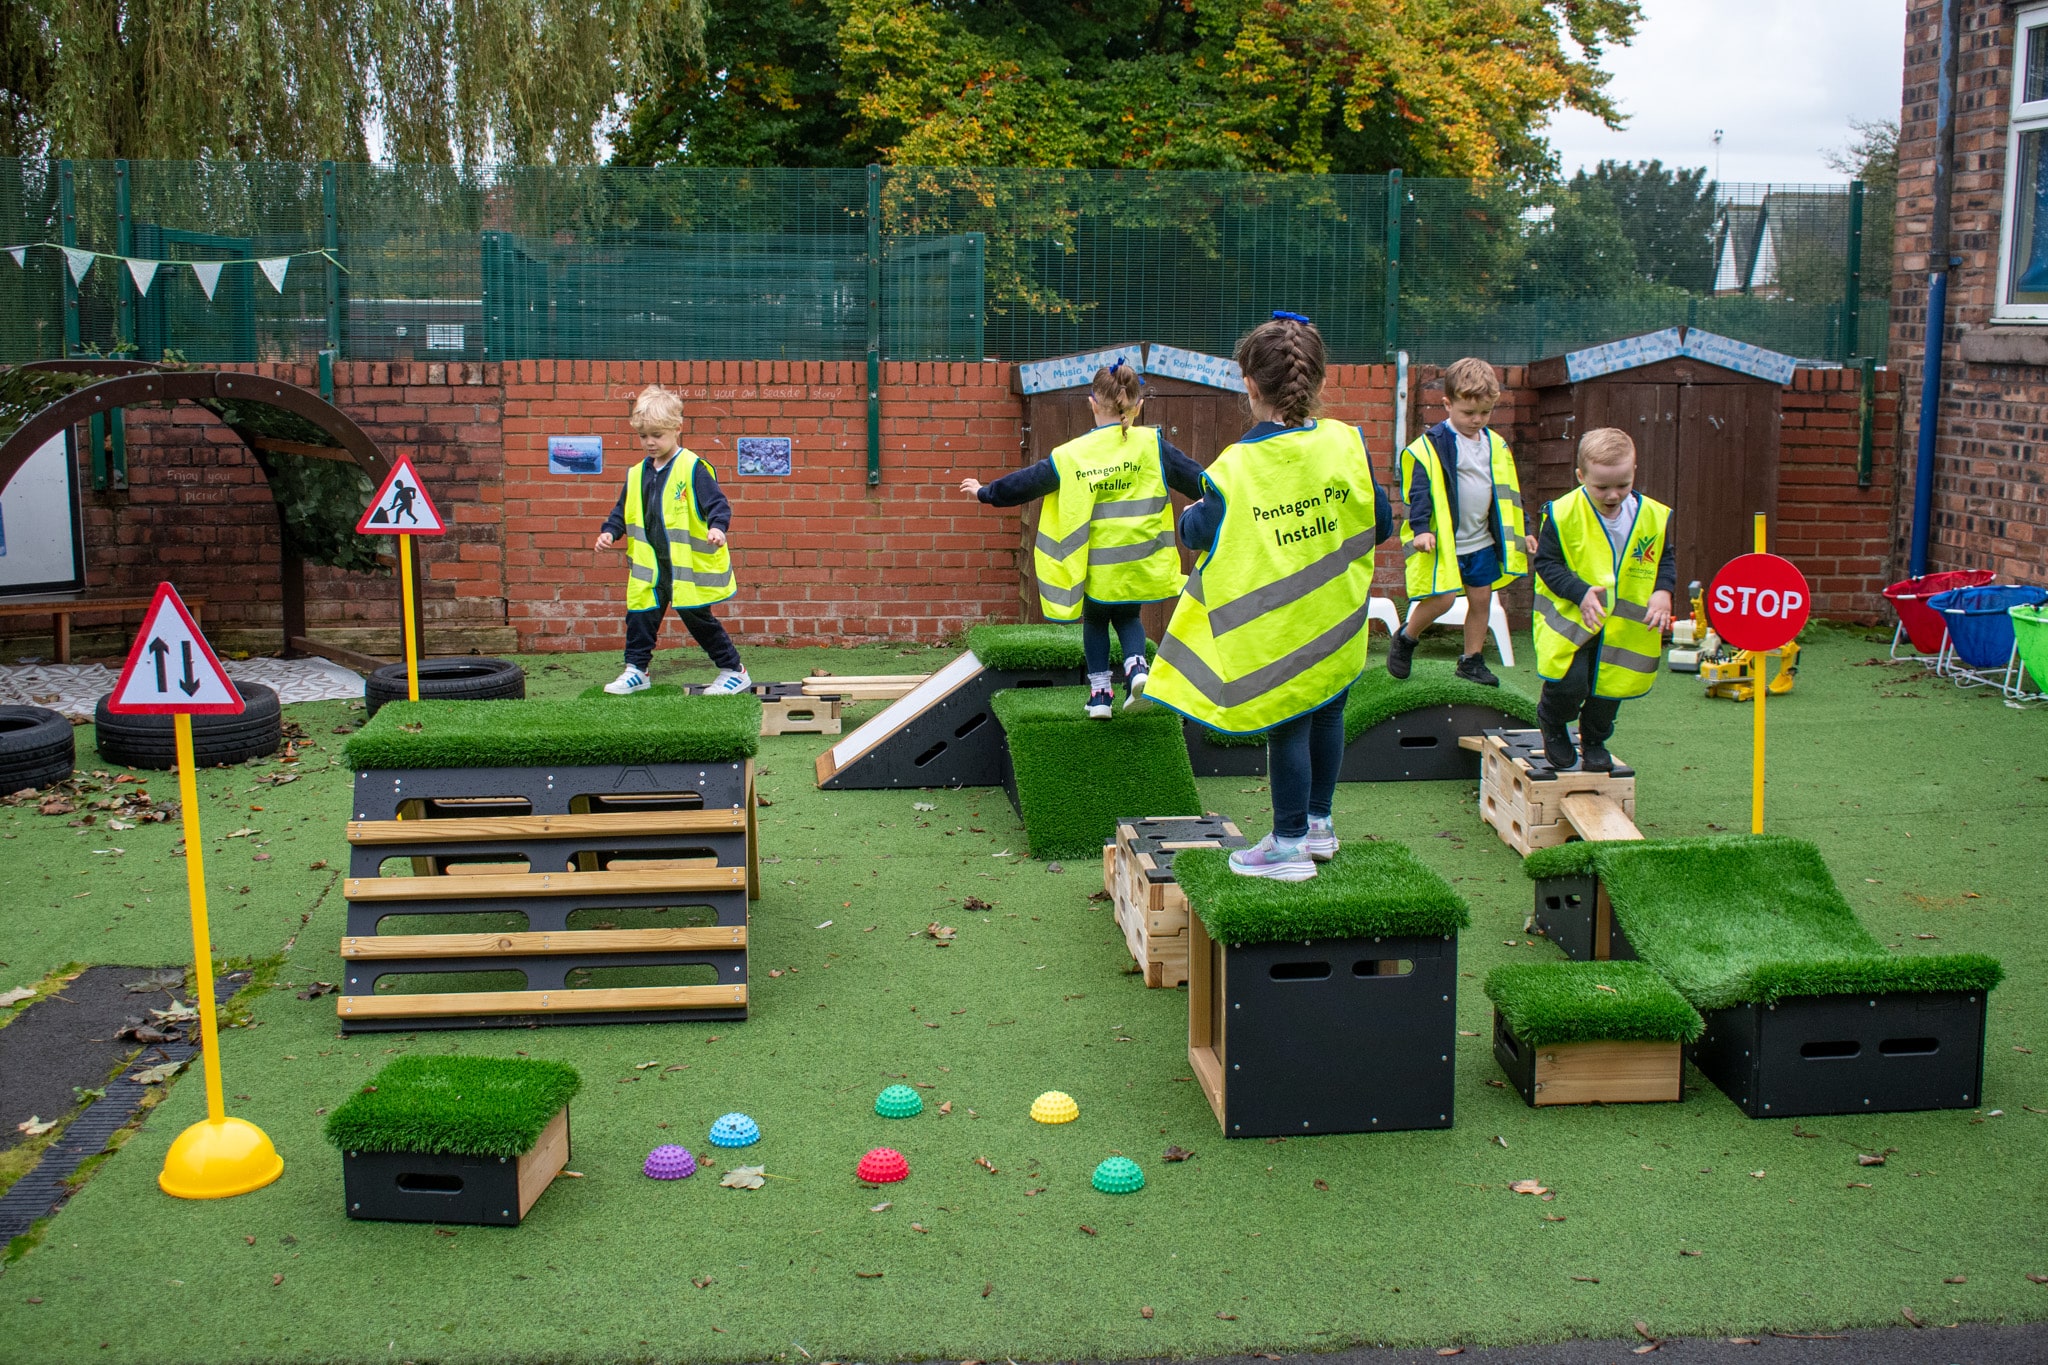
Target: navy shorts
1481, 567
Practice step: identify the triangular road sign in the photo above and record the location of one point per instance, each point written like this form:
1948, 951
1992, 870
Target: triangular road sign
172, 669
402, 507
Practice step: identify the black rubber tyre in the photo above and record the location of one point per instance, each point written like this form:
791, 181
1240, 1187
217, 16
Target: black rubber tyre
458, 679
146, 741
36, 748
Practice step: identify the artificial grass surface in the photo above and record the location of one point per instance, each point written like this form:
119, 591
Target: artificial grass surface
1077, 777
1587, 1002
525, 734
1371, 888
1937, 831
1378, 696
469, 1106
1027, 647
1741, 919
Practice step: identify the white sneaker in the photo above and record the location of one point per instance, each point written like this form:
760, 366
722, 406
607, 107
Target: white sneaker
629, 682
1135, 678
1270, 858
1321, 843
727, 683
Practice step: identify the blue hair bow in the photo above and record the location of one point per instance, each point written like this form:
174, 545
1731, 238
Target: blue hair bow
1282, 315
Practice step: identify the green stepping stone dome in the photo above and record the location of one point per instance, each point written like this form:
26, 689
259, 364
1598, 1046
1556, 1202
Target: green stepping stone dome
1118, 1175
899, 1102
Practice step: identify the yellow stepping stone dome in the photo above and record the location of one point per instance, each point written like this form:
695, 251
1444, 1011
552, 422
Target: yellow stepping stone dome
1055, 1106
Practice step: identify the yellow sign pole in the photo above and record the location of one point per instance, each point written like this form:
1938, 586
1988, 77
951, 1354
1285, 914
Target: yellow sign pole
412, 644
1756, 780
221, 1156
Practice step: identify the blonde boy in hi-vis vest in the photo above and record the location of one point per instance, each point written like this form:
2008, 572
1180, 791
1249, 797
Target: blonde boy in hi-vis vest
1604, 579
1464, 530
672, 519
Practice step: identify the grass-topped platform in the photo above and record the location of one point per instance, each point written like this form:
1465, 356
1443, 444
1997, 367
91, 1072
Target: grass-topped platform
454, 1139
1394, 729
1590, 1032
1807, 1012
1332, 1001
1371, 889
1072, 778
579, 733
1021, 648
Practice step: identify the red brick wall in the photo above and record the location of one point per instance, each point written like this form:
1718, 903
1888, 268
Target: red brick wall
819, 555
1990, 486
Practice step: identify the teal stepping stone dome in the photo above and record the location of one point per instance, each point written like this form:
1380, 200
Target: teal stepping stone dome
1118, 1175
899, 1102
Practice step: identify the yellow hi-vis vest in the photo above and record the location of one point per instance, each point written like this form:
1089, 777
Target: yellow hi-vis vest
1107, 531
1629, 649
701, 571
1431, 572
1273, 622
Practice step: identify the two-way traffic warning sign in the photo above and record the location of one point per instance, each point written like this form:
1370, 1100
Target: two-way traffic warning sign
402, 507
172, 670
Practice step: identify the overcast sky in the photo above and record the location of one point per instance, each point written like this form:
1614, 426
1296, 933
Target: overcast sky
1781, 78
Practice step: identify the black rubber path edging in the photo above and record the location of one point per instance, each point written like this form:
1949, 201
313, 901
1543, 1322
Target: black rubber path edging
50, 1056
66, 1039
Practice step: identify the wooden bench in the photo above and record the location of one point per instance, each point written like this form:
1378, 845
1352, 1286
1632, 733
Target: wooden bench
61, 609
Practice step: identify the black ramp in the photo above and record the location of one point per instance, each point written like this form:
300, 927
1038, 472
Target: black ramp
943, 733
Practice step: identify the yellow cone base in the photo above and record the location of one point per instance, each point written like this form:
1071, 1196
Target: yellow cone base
215, 1160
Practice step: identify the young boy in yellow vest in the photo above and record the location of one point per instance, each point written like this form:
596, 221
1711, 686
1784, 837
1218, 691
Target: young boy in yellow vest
1464, 529
672, 519
1271, 631
1105, 535
1604, 579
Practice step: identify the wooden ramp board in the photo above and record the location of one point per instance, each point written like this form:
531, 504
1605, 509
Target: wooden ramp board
399, 947
678, 880
943, 732
1594, 815
1428, 744
491, 1009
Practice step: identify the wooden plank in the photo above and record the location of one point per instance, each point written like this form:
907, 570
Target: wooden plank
1472, 742
468, 829
389, 947
1598, 817
538, 1002
1608, 1073
540, 1163
340, 654
545, 884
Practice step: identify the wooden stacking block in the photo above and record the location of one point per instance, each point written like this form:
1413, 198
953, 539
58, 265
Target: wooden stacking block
1150, 908
1599, 1072
1531, 805
800, 716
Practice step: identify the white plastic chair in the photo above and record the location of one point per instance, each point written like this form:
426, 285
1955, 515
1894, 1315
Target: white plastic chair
1381, 609
1496, 621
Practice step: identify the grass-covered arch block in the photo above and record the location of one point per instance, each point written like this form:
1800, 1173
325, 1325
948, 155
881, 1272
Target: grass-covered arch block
1807, 1012
1590, 1032
1328, 1005
1073, 778
578, 733
454, 1139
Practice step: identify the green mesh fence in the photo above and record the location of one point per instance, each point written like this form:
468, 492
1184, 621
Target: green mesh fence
917, 263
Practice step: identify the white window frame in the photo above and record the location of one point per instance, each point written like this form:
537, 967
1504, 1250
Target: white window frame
2025, 118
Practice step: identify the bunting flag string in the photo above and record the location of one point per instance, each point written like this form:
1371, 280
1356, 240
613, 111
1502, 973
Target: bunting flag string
79, 262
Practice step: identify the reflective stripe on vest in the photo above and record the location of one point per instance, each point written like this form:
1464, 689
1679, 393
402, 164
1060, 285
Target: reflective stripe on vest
700, 571
1628, 649
1431, 572
1107, 531
1273, 622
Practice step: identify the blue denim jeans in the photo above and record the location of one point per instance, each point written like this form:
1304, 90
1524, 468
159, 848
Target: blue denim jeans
1302, 759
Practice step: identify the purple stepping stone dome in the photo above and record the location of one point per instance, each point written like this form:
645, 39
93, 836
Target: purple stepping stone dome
670, 1162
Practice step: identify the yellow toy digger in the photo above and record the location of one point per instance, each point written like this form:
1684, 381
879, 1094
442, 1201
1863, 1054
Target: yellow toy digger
1727, 673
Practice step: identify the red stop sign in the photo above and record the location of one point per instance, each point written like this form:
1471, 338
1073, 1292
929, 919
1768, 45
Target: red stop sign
1758, 601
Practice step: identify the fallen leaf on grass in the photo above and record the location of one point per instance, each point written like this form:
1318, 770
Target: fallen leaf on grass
242, 833
1868, 1159
976, 903
1323, 1185
1911, 1317
745, 1178
942, 932
1587, 1279
578, 1175
1756, 1175
318, 989
985, 1164
2032, 1278
1684, 1252
157, 1075
34, 1126
1498, 1085
867, 1274
1039, 1190
877, 1208
1553, 1218
702, 1281
919, 1227
1450, 1350
1146, 1313
1609, 989
1957, 1279
1176, 1154
1860, 1185
1227, 1317
1643, 1330
16, 996
642, 1066
1529, 1187
1090, 1231
922, 805
946, 1108
986, 1289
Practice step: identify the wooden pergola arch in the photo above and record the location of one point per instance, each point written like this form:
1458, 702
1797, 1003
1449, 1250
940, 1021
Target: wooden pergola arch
129, 383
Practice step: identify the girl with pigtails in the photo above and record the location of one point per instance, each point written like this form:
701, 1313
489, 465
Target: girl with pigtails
1105, 535
1270, 632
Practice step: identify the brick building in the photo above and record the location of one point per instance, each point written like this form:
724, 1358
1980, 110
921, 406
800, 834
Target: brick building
1988, 494
821, 556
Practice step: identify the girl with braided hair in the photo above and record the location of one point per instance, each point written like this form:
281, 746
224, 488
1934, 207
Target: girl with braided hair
1105, 535
1270, 632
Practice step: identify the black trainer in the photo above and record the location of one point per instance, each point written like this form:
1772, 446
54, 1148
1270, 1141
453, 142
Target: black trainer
1558, 750
1400, 655
1596, 759
1472, 668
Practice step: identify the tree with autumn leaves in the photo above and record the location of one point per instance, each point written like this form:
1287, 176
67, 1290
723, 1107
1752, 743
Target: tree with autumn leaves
1436, 87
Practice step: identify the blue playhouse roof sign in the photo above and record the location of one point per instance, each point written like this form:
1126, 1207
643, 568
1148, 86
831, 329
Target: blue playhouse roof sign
1672, 343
